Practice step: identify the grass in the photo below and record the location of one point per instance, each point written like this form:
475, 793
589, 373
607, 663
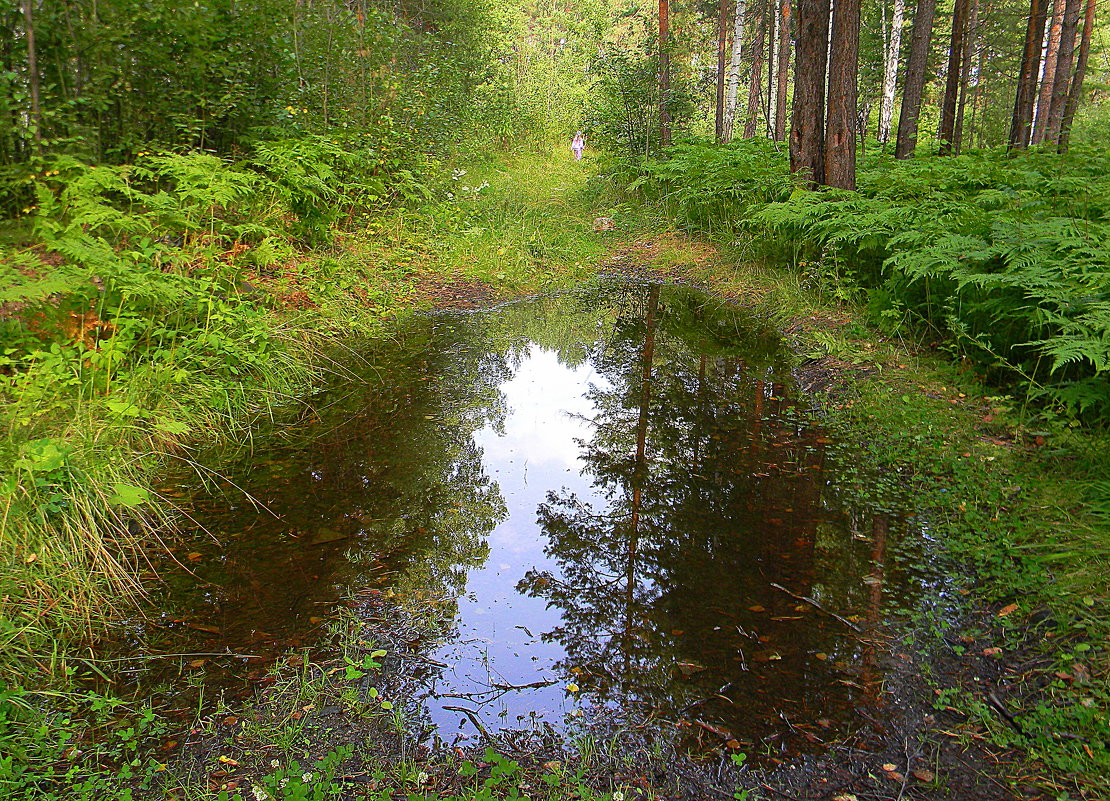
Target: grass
518, 227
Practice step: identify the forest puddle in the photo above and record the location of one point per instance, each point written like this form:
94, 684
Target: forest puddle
610, 502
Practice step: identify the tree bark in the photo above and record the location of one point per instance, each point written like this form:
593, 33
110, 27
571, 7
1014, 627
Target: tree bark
1077, 80
916, 64
783, 72
842, 117
953, 83
1063, 70
890, 70
722, 48
1048, 74
664, 73
970, 36
734, 66
807, 124
32, 73
1027, 77
756, 81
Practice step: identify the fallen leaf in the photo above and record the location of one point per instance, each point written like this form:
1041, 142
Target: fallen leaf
194, 556
733, 744
923, 775
228, 761
991, 651
196, 663
889, 766
756, 608
821, 655
231, 720
845, 797
1007, 610
203, 627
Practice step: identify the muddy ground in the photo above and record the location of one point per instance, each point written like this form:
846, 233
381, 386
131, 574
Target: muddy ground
915, 747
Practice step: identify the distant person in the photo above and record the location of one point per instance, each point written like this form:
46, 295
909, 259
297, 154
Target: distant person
577, 145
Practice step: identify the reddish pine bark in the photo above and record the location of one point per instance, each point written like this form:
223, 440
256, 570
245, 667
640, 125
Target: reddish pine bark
1027, 77
953, 83
1063, 70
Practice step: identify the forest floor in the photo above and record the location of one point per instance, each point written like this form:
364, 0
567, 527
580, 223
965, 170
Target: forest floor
990, 706
945, 699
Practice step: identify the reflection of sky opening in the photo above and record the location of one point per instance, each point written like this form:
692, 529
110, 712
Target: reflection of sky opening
498, 641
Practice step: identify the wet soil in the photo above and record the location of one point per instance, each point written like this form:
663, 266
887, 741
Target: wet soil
820, 680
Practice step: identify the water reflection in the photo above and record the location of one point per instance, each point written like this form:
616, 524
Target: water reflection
605, 500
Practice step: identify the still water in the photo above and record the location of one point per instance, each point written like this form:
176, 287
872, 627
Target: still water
605, 503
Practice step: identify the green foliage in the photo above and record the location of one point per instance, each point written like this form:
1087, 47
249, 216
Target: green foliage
1003, 260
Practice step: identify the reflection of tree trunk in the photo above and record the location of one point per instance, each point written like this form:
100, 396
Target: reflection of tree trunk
880, 529
639, 475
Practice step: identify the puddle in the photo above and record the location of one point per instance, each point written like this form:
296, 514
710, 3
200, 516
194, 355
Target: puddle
606, 502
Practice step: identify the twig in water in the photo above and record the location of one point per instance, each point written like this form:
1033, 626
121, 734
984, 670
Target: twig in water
818, 606
477, 721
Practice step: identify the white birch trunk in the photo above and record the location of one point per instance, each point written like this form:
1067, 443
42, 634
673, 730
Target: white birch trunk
734, 68
890, 70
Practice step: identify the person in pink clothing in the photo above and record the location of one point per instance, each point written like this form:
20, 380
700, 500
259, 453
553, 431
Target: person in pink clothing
577, 145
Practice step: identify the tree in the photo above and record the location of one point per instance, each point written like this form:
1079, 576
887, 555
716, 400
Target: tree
890, 70
739, 17
1063, 71
965, 71
957, 51
722, 48
840, 126
807, 123
916, 65
782, 71
1077, 80
664, 73
1048, 74
1027, 77
755, 84
32, 72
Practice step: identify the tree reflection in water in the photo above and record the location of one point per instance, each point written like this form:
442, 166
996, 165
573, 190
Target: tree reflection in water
713, 491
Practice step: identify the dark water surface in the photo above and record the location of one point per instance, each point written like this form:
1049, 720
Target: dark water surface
610, 500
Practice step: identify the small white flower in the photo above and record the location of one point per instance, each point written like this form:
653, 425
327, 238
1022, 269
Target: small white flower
422, 778
618, 796
282, 784
306, 777
259, 793
275, 763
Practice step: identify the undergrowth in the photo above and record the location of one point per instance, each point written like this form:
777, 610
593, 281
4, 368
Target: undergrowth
150, 308
999, 259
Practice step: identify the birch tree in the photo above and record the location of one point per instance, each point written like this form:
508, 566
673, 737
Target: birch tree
890, 70
734, 67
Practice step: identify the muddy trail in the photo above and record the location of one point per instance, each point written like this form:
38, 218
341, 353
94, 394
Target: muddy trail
610, 516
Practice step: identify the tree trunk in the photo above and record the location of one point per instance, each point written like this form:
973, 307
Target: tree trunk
722, 43
664, 73
890, 70
783, 72
1077, 80
756, 81
842, 118
971, 35
1027, 77
734, 66
32, 73
953, 84
916, 65
807, 123
1063, 70
1048, 74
